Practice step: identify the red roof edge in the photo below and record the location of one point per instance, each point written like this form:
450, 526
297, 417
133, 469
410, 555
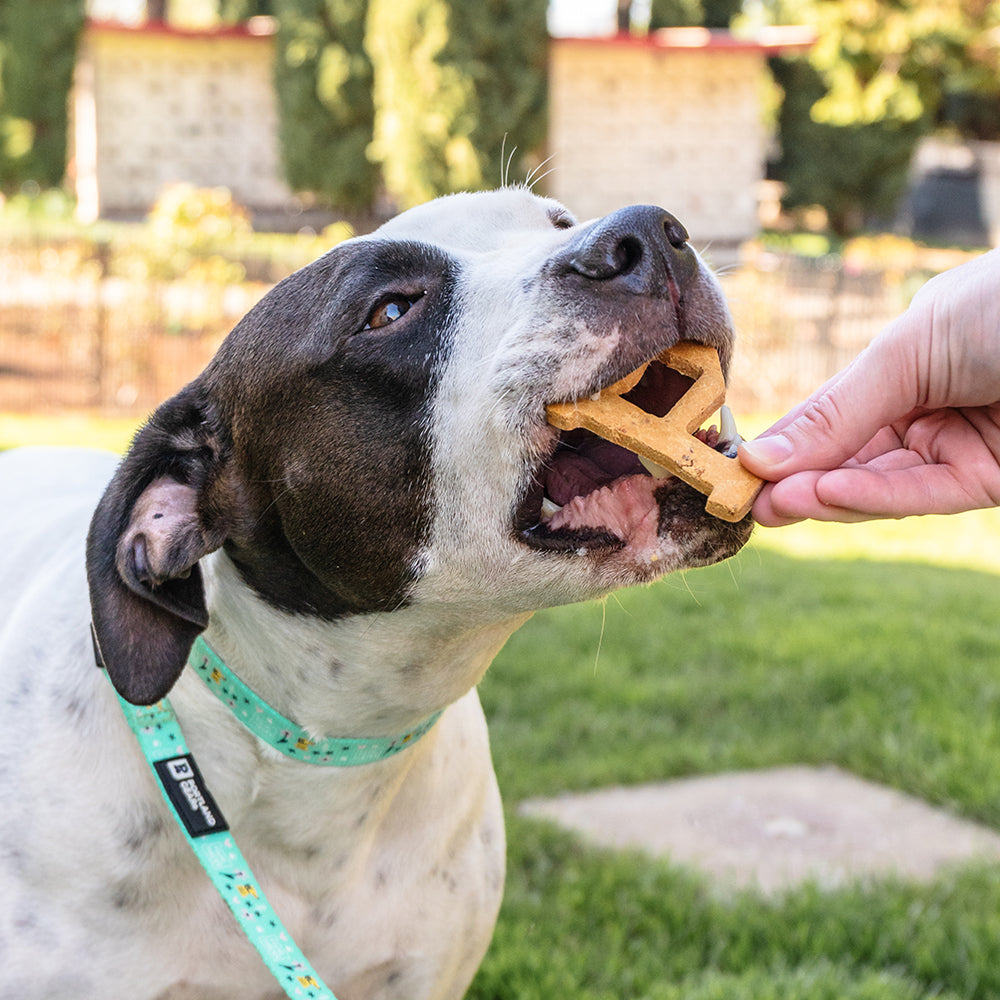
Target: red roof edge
769, 40
255, 27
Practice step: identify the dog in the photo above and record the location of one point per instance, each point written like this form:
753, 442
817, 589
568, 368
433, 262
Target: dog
355, 504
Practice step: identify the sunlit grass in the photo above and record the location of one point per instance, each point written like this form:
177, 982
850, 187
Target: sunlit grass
971, 539
82, 429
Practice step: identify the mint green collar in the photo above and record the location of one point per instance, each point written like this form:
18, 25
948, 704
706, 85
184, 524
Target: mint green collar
285, 735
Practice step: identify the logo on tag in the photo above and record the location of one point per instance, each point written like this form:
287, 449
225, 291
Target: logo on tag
185, 788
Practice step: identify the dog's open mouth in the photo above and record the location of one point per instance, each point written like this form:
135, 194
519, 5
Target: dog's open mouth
590, 494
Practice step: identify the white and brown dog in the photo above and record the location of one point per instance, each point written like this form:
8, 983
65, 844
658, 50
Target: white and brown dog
357, 502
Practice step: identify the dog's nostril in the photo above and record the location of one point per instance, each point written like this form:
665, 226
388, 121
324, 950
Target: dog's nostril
609, 258
677, 235
627, 254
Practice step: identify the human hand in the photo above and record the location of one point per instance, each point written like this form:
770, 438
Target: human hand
911, 426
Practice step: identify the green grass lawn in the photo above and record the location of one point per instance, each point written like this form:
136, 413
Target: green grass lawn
71, 429
872, 647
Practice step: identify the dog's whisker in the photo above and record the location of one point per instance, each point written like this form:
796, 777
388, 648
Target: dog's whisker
538, 180
505, 164
274, 501
600, 638
534, 177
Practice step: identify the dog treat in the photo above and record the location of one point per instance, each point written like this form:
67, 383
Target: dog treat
669, 441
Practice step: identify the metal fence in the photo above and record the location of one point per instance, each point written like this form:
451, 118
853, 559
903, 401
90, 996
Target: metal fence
78, 331
800, 320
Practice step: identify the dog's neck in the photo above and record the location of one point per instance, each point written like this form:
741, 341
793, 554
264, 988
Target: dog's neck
363, 676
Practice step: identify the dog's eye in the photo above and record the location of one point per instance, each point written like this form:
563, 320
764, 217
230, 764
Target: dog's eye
389, 309
561, 220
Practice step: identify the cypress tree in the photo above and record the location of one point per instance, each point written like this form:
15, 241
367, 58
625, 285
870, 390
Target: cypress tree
323, 79
690, 13
503, 47
675, 14
33, 118
456, 83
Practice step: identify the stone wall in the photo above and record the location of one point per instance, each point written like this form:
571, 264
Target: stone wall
674, 120
157, 105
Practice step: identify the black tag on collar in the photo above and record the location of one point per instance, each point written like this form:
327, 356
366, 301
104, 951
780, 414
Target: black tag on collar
186, 789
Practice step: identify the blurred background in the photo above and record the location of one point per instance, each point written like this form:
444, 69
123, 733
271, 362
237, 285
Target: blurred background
163, 162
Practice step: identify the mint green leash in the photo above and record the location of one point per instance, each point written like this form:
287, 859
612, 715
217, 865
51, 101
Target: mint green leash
162, 743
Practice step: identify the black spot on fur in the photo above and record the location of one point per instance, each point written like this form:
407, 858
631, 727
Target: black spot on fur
77, 709
127, 894
143, 830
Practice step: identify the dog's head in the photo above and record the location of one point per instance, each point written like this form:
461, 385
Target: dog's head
372, 434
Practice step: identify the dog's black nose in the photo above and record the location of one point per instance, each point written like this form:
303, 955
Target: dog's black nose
639, 249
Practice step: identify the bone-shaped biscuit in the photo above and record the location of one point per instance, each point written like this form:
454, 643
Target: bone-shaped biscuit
669, 441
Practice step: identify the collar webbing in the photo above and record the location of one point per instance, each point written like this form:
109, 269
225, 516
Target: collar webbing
283, 734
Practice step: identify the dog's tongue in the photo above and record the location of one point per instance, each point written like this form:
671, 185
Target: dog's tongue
592, 464
627, 508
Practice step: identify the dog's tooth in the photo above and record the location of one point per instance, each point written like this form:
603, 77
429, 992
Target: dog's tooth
656, 471
549, 507
729, 437
596, 397
727, 424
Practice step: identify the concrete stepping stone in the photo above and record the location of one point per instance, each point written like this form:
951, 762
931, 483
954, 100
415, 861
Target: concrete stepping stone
774, 829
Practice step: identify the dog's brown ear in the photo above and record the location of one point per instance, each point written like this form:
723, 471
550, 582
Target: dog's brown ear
150, 529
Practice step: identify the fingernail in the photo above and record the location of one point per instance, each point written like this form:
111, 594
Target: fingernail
768, 450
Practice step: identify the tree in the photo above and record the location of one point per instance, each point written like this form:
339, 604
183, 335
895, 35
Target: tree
232, 11
33, 119
623, 16
877, 80
502, 46
970, 73
852, 169
457, 82
324, 84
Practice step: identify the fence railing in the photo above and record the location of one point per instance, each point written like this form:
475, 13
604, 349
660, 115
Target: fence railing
76, 332
799, 320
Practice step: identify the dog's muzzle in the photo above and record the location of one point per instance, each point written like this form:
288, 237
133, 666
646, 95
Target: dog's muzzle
633, 271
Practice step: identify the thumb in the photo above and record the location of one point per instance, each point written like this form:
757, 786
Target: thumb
838, 420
